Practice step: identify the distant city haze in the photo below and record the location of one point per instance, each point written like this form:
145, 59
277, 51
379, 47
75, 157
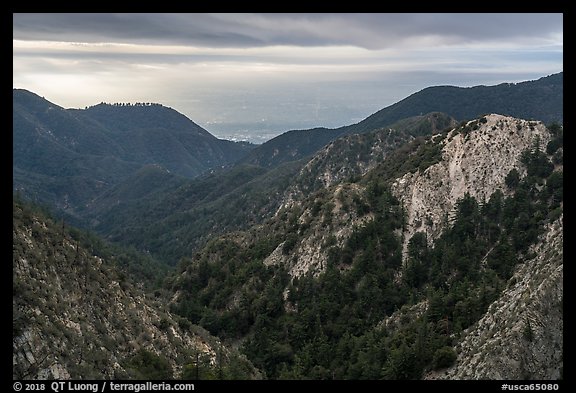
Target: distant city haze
254, 76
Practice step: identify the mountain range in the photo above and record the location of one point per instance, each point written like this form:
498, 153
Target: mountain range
411, 245
65, 157
102, 165
541, 99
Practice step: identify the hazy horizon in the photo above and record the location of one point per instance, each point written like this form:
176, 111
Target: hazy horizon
255, 76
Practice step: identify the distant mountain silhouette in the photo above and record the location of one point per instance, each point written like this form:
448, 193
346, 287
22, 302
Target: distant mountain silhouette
68, 156
541, 99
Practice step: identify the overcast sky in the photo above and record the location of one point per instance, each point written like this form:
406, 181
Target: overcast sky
253, 76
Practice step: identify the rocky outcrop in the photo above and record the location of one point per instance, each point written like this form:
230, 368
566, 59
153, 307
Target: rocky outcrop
330, 226
474, 161
521, 334
345, 158
353, 155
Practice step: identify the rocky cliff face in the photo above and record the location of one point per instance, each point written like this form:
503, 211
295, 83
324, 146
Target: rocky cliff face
475, 159
75, 316
521, 335
348, 157
352, 156
320, 229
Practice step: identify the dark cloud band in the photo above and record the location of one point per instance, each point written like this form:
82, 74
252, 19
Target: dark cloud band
373, 31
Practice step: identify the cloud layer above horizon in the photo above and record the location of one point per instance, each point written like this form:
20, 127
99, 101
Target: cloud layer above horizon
235, 71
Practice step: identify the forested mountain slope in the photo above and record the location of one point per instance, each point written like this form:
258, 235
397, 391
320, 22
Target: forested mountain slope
350, 284
181, 216
67, 157
406, 246
521, 336
104, 166
76, 315
297, 144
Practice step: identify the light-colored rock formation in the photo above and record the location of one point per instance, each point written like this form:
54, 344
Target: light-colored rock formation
475, 162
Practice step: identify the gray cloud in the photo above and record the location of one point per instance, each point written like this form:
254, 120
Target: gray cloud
226, 72
373, 31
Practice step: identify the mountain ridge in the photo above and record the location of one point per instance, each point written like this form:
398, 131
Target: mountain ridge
472, 162
541, 99
247, 194
96, 148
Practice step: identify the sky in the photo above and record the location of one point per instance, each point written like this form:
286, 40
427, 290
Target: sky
255, 76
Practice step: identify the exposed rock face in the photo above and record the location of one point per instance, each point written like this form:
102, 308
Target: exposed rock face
353, 155
74, 317
324, 229
521, 335
342, 159
476, 162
